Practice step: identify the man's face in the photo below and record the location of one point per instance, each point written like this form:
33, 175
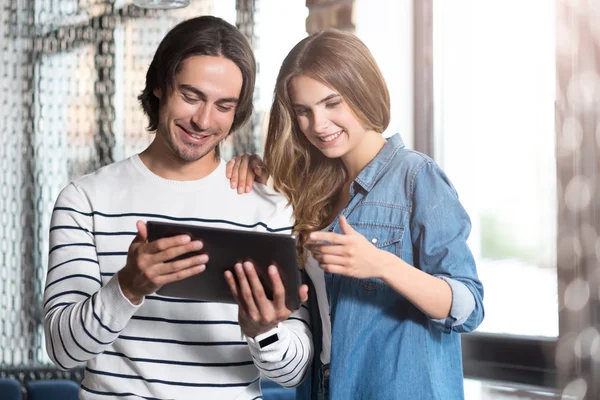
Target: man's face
197, 113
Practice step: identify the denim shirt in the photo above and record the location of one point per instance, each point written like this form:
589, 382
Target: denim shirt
383, 347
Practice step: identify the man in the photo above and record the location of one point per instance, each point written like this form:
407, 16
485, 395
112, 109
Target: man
100, 306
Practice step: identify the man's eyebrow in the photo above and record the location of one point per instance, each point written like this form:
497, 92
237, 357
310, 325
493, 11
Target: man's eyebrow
323, 100
200, 93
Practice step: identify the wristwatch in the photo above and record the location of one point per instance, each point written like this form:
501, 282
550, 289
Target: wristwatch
267, 338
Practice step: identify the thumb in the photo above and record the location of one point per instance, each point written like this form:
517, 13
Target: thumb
345, 226
142, 232
303, 293
262, 175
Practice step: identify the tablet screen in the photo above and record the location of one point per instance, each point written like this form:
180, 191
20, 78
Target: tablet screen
225, 248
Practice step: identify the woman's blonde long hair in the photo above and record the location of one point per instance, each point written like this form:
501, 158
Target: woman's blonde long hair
311, 181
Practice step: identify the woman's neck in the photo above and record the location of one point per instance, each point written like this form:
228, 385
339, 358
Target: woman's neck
357, 159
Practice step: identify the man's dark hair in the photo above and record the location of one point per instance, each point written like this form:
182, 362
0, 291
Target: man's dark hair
200, 36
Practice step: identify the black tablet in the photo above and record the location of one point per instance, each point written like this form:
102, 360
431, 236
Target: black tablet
225, 248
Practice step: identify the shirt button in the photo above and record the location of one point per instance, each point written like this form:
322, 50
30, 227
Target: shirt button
374, 240
326, 373
331, 229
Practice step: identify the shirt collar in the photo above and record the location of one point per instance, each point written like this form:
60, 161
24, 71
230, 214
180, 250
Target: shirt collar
373, 171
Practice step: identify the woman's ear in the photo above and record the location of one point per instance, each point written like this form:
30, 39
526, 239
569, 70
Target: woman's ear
156, 92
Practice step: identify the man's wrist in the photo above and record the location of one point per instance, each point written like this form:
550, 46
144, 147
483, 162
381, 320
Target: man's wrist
266, 338
128, 294
256, 332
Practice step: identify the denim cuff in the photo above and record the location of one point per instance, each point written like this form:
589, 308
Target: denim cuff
463, 304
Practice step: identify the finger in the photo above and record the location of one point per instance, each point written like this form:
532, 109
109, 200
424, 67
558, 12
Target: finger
259, 168
250, 177
337, 250
313, 247
175, 251
246, 292
232, 286
330, 237
334, 269
174, 266
258, 291
234, 173
303, 293
262, 175
345, 226
278, 288
242, 173
179, 275
330, 259
142, 232
229, 168
163, 244
140, 238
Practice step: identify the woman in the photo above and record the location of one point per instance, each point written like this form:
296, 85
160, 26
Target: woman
380, 229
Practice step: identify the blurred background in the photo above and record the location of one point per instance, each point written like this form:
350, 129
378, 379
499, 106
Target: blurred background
504, 95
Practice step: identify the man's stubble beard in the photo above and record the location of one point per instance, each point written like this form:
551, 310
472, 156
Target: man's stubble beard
186, 153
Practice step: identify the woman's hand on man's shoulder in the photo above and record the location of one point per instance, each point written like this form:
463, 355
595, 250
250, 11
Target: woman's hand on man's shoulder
244, 169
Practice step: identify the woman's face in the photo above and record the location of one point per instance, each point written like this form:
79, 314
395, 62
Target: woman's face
325, 118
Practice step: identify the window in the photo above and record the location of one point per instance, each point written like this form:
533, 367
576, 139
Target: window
494, 79
493, 95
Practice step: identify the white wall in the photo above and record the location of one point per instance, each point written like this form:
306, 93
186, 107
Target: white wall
280, 25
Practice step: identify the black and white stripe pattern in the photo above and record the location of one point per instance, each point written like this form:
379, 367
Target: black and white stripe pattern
165, 348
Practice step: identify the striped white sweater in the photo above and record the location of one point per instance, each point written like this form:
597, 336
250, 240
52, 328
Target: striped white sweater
165, 348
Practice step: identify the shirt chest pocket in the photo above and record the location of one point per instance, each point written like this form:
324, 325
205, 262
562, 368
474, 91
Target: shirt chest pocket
387, 237
382, 236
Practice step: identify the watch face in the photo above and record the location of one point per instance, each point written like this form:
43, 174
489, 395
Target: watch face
268, 340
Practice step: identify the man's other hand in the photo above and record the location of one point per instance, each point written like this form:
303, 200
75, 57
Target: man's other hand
257, 314
149, 265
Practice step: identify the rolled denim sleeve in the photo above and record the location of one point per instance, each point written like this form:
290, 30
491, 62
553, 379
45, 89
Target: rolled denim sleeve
463, 303
440, 227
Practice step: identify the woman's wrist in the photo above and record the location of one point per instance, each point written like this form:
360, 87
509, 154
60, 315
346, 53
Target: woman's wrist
391, 266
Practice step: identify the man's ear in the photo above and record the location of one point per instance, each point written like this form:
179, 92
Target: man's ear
156, 92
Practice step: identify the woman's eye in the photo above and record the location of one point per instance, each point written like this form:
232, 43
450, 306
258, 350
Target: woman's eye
333, 105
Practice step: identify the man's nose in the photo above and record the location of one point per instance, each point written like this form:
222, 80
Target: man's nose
201, 118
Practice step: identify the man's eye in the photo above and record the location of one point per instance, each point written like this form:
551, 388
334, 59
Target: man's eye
224, 108
190, 99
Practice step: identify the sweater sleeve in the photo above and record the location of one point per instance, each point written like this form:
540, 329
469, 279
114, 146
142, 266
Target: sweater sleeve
82, 317
287, 360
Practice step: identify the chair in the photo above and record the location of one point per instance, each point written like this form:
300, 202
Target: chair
52, 389
10, 389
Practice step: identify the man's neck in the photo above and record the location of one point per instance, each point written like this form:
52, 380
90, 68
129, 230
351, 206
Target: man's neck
164, 163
